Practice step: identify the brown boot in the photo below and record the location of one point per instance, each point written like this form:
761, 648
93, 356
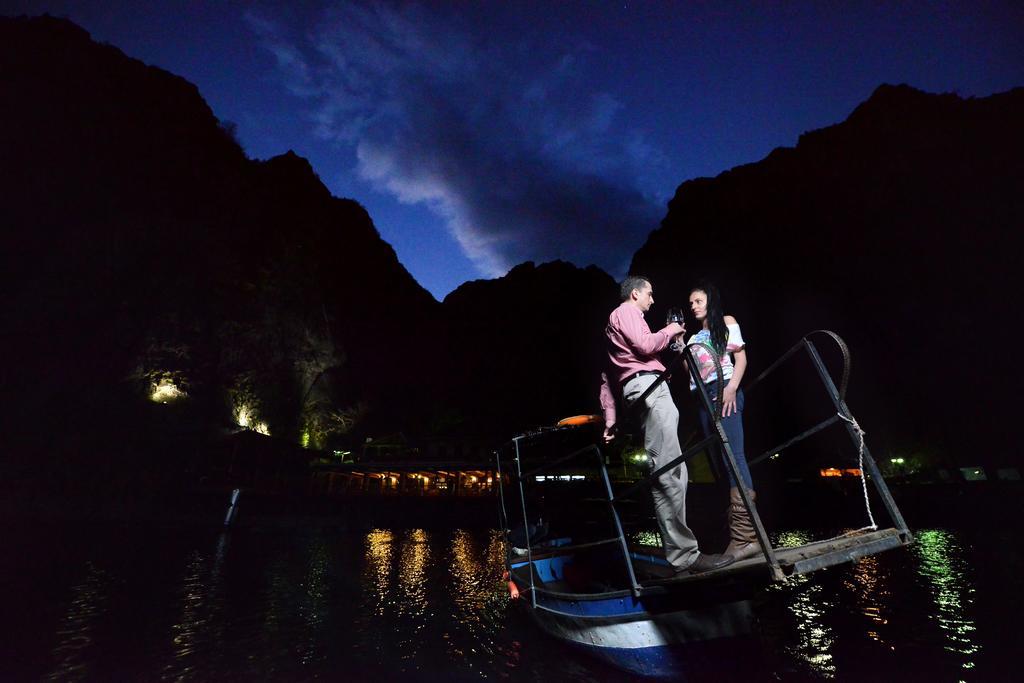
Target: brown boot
742, 539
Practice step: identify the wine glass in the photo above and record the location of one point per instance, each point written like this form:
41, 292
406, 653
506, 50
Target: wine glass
675, 315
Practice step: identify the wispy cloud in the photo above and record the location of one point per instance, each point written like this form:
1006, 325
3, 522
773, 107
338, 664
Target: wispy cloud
509, 141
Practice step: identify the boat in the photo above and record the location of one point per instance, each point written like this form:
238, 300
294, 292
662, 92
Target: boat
591, 581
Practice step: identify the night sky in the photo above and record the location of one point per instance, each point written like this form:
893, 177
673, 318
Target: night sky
480, 135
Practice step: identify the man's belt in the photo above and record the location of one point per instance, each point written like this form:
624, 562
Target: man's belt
638, 374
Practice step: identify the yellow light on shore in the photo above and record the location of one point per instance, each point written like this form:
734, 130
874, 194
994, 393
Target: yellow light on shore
245, 418
165, 391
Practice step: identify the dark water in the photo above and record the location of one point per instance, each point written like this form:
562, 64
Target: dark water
320, 603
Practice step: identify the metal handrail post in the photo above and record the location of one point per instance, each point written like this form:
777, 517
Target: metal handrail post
730, 461
842, 409
526, 525
618, 525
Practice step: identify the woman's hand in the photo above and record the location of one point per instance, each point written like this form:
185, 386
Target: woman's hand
729, 401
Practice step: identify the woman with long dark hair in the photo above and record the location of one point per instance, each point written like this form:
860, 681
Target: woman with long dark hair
722, 333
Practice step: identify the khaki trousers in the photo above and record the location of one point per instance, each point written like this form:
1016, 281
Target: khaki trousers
661, 440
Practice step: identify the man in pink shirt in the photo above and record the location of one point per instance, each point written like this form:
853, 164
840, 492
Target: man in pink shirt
633, 365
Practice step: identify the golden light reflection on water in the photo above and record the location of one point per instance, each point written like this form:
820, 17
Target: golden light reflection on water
412, 572
377, 574
396, 585
944, 568
476, 575
869, 587
317, 605
88, 604
465, 567
479, 598
415, 579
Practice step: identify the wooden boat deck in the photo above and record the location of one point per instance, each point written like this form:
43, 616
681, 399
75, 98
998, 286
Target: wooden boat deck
656, 577
793, 561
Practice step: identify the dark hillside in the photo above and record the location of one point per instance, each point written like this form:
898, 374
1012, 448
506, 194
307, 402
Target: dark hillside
895, 228
142, 247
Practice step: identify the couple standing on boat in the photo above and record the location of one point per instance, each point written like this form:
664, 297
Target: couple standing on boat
633, 365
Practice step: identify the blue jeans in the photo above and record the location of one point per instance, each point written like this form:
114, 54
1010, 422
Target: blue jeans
733, 428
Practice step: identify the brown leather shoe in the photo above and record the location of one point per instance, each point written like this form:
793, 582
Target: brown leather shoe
706, 562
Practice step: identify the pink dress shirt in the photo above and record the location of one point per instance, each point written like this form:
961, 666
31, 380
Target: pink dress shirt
632, 347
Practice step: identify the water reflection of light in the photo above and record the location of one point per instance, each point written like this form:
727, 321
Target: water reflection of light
412, 605
313, 605
89, 603
378, 566
412, 572
810, 605
465, 567
646, 537
467, 577
479, 598
185, 631
942, 565
791, 538
867, 583
200, 624
476, 575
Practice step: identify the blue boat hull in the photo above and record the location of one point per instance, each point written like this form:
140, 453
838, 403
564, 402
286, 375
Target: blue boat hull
666, 644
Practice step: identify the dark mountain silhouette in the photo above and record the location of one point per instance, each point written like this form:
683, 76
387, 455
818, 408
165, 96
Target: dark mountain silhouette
895, 229
140, 244
525, 346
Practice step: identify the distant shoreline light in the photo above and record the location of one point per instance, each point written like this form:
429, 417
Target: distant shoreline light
245, 417
165, 391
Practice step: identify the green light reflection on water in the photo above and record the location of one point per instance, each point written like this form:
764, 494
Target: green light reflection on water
942, 565
646, 537
791, 538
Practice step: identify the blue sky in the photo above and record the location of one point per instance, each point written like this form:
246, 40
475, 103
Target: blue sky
482, 134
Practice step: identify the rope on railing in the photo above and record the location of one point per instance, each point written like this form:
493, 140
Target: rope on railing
860, 466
